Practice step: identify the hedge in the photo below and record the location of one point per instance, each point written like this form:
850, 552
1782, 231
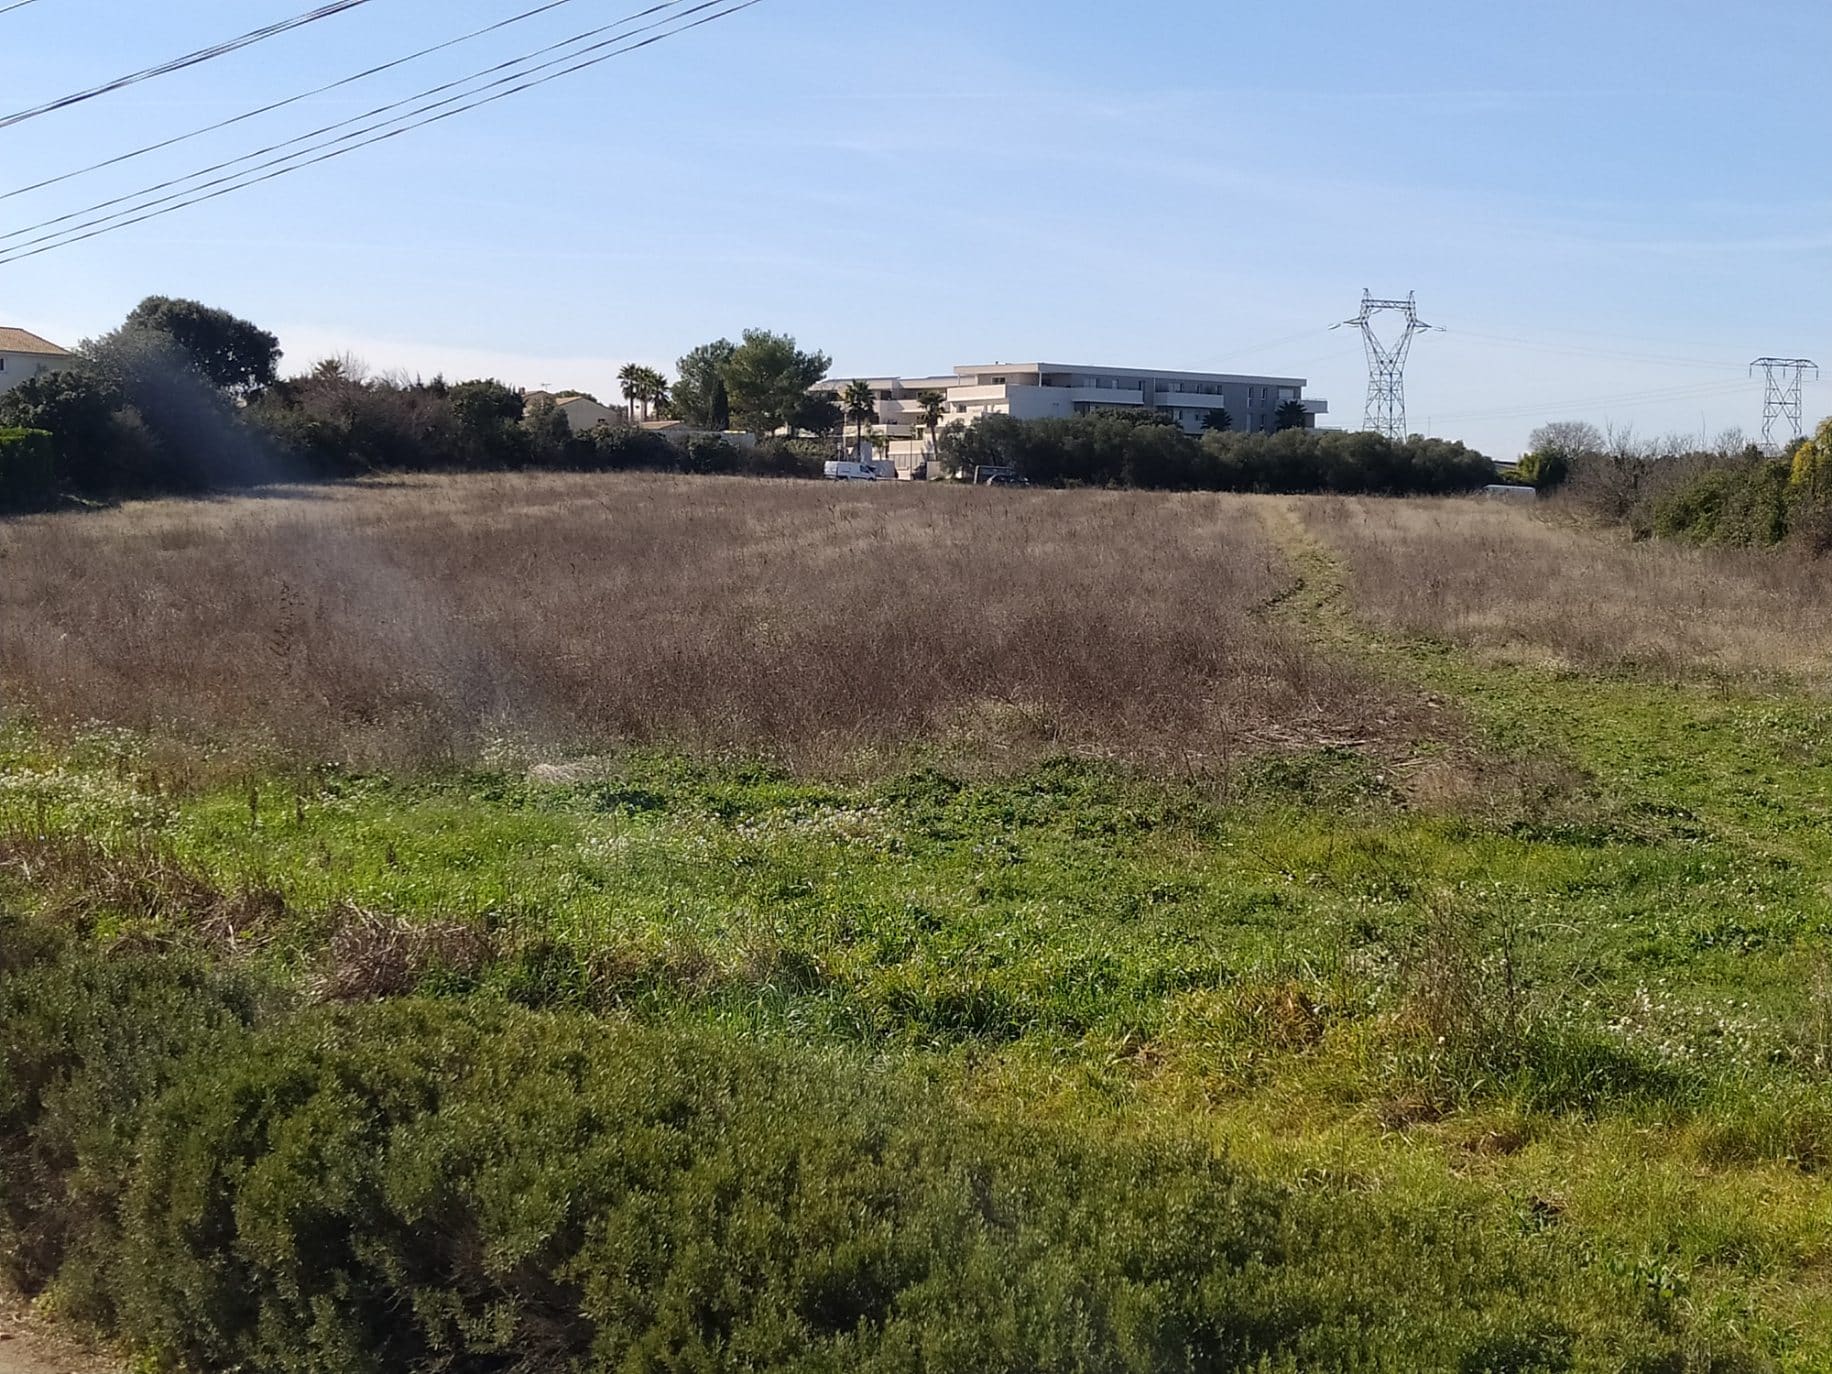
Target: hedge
28, 469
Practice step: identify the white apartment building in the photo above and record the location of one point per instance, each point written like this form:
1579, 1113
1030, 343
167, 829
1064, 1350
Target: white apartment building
24, 356
1050, 391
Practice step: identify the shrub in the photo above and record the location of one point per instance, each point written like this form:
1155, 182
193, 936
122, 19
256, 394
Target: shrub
86, 1042
96, 448
28, 469
418, 1187
1742, 505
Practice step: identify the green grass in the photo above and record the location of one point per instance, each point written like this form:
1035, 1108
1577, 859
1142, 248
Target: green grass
1584, 1016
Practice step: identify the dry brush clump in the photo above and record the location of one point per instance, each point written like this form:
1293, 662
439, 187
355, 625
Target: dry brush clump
1535, 588
415, 621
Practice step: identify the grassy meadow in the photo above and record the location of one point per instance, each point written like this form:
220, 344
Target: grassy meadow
647, 924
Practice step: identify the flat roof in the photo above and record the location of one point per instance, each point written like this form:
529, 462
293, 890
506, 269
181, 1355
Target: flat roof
1141, 373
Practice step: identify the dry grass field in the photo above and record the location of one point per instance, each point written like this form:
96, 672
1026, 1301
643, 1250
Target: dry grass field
1481, 1023
1549, 590
413, 621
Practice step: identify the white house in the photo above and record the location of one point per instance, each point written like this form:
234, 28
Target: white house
24, 355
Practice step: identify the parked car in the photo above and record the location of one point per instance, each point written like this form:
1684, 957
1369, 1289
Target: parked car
860, 472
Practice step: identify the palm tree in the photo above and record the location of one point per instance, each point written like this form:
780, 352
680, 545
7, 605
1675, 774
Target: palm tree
860, 403
1292, 415
654, 393
1218, 421
630, 377
934, 405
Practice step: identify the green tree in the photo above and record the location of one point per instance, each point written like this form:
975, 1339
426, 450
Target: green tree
860, 404
768, 378
1292, 415
1218, 421
549, 431
488, 416
700, 394
654, 393
934, 405
191, 431
629, 377
1812, 472
1555, 449
236, 356
818, 413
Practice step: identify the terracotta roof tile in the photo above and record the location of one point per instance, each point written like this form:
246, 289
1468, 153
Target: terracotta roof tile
20, 341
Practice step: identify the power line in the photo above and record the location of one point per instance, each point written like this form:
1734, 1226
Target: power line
16, 5
178, 64
245, 180
290, 100
1697, 391
361, 119
366, 123
1615, 355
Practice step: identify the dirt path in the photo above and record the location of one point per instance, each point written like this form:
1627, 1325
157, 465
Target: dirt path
28, 1346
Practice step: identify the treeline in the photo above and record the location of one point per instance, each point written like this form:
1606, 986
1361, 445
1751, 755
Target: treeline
185, 398
1729, 494
1144, 449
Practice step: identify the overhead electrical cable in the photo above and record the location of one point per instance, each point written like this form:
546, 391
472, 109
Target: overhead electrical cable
1704, 391
178, 64
1615, 355
16, 5
242, 181
290, 100
621, 29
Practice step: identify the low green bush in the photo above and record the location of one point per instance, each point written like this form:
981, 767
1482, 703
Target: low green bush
420, 1186
86, 1043
471, 1187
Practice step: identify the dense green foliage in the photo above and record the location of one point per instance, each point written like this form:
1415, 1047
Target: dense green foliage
700, 395
1753, 504
1114, 448
28, 469
232, 355
1731, 495
414, 1186
767, 378
183, 398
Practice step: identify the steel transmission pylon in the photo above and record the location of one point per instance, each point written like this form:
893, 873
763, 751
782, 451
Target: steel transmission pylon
1785, 404
1387, 362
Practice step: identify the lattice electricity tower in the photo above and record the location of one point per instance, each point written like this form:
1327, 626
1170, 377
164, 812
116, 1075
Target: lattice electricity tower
1785, 405
1387, 362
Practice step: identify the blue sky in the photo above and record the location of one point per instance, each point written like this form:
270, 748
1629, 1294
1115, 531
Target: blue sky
1610, 206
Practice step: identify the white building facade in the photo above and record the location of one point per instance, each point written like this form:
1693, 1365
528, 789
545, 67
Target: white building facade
1060, 391
1055, 391
23, 356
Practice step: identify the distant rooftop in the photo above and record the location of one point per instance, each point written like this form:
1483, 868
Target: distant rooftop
24, 341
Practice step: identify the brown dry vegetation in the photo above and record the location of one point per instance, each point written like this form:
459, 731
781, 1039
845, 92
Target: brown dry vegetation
414, 621
1528, 586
